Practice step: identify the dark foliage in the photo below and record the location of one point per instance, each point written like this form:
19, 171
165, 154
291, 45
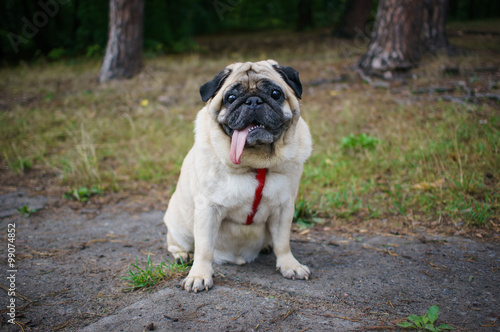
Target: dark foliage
67, 28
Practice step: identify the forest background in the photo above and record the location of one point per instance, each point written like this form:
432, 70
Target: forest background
80, 28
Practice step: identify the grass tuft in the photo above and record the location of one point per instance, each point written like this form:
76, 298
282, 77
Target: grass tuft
151, 274
26, 211
83, 194
304, 216
359, 142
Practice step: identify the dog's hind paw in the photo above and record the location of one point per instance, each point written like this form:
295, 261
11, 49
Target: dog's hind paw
182, 257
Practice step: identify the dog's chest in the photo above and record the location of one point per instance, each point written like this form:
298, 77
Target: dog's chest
236, 194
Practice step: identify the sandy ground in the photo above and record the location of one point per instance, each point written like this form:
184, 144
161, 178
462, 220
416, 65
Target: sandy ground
68, 264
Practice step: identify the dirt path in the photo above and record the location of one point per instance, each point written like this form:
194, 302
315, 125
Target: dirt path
68, 266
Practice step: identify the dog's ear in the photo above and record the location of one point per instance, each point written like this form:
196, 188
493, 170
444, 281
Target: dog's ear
291, 77
209, 89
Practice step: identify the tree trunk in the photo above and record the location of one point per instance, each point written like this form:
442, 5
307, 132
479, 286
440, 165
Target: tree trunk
435, 12
124, 50
305, 19
355, 17
403, 31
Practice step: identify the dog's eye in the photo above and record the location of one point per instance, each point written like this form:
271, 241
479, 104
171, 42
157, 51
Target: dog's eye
231, 99
276, 94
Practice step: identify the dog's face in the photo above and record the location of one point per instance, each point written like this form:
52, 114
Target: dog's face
253, 103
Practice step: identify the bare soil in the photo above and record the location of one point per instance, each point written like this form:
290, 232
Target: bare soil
70, 256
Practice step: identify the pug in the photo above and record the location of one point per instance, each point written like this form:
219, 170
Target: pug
237, 187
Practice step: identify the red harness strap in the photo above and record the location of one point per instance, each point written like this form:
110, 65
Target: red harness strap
261, 178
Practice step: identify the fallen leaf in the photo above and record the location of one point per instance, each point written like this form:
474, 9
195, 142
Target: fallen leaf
428, 185
304, 232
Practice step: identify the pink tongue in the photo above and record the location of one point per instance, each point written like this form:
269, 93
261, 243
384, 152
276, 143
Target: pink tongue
237, 144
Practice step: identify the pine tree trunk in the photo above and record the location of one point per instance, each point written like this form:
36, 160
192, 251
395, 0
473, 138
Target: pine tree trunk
435, 12
397, 38
124, 49
404, 30
354, 19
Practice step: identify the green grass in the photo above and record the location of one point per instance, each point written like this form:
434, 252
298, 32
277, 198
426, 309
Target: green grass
17, 163
376, 154
359, 142
151, 274
425, 163
26, 211
82, 194
304, 216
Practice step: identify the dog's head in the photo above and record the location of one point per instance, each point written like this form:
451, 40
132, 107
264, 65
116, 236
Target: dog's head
254, 103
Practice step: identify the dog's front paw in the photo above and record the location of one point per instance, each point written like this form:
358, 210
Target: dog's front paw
195, 284
198, 279
292, 269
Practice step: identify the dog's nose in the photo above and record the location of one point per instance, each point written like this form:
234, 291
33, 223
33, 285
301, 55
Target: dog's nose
254, 101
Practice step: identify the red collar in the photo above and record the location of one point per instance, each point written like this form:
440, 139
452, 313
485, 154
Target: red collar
261, 179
